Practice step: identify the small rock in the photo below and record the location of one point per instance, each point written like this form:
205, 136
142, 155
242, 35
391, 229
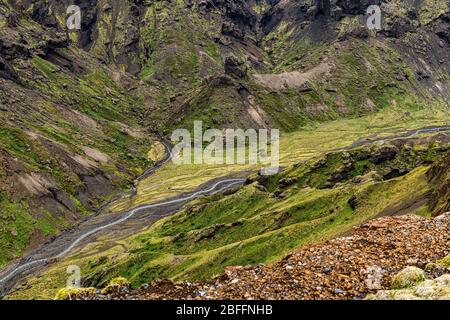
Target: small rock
408, 277
443, 280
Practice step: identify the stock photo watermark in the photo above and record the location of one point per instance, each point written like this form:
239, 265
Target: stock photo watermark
374, 277
228, 146
374, 17
74, 19
74, 279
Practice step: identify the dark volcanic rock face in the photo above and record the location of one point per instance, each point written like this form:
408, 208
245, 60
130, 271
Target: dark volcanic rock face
443, 29
118, 32
6, 71
235, 67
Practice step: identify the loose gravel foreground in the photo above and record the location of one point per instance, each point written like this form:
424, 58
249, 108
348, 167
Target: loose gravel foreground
345, 268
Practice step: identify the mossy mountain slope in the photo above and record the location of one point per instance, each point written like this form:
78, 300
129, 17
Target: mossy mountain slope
70, 135
267, 63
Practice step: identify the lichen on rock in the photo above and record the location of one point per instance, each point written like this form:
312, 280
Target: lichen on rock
408, 277
445, 262
75, 293
411, 284
116, 285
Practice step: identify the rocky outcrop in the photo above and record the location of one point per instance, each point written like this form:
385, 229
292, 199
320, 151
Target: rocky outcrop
383, 154
408, 277
439, 175
412, 284
235, 67
7, 71
443, 29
